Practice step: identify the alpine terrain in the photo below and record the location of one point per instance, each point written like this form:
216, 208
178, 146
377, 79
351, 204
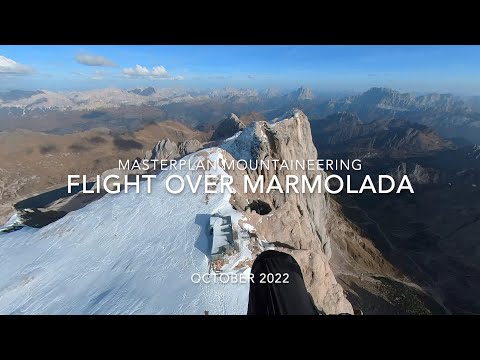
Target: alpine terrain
132, 253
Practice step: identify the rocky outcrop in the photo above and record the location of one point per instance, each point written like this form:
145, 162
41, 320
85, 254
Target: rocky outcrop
228, 127
416, 173
169, 150
422, 175
300, 224
475, 152
188, 146
164, 149
39, 218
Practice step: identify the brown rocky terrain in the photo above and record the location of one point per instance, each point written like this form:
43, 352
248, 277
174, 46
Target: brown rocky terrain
32, 162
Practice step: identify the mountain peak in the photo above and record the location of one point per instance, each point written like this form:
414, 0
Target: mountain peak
291, 219
143, 92
270, 93
234, 117
302, 93
228, 127
305, 93
377, 94
380, 90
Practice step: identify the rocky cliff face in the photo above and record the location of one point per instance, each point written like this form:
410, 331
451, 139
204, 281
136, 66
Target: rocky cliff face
228, 127
301, 224
474, 153
169, 150
416, 173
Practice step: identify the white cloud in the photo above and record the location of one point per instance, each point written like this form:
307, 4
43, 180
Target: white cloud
251, 77
8, 66
137, 71
93, 60
157, 72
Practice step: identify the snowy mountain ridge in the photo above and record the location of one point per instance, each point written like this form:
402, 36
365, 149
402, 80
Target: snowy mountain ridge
103, 259
135, 253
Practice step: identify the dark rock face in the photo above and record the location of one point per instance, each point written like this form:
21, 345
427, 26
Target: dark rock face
143, 92
228, 127
37, 218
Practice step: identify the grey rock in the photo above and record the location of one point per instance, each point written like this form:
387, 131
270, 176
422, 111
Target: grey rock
228, 127
164, 150
169, 150
188, 146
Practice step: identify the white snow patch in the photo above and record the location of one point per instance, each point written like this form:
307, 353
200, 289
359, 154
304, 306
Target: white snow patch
244, 145
122, 254
14, 219
237, 134
248, 227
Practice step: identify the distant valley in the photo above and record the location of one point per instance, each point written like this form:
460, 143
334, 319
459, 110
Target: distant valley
34, 161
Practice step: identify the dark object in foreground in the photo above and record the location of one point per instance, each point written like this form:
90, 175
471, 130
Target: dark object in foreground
278, 293
37, 219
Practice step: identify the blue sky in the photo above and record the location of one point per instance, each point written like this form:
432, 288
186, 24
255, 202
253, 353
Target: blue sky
325, 68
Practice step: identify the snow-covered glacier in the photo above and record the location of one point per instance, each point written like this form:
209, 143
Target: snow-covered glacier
122, 254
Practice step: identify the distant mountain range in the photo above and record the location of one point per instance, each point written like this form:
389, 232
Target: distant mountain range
113, 97
380, 100
391, 100
13, 95
453, 117
394, 137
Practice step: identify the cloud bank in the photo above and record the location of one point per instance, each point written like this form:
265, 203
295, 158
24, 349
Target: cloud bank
9, 66
94, 60
157, 72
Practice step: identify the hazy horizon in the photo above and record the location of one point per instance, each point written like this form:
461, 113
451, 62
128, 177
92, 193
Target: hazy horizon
281, 91
327, 69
